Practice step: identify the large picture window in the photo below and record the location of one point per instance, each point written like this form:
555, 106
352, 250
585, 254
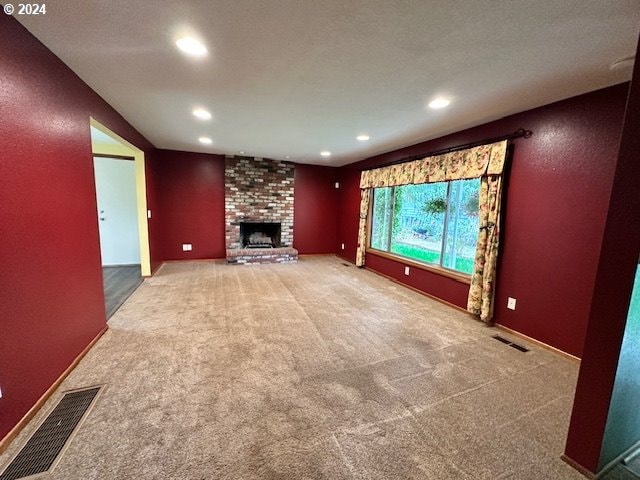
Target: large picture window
433, 223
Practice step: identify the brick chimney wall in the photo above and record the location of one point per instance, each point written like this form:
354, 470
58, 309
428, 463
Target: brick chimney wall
258, 190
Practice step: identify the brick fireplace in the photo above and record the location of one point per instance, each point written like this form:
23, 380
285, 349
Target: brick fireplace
259, 210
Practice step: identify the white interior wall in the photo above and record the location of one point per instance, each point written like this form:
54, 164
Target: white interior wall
117, 211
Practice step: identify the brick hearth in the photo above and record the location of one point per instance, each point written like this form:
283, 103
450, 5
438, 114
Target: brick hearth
254, 256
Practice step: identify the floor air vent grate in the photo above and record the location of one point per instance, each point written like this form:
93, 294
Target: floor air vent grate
346, 264
43, 448
502, 339
506, 341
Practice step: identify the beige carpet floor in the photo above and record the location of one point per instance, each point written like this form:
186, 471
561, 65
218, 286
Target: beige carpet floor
309, 371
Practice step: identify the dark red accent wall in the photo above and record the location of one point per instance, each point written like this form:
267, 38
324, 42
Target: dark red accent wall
556, 203
441, 287
348, 212
51, 297
608, 314
315, 209
190, 200
190, 191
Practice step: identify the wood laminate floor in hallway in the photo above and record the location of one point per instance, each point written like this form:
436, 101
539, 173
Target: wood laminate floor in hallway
119, 283
312, 370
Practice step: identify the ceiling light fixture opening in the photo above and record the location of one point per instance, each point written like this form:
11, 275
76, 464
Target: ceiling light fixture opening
205, 140
201, 114
439, 102
192, 46
362, 138
325, 153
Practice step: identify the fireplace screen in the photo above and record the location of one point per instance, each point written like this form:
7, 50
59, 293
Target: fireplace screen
259, 235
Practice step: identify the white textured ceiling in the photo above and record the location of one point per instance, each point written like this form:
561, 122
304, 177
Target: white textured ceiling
294, 77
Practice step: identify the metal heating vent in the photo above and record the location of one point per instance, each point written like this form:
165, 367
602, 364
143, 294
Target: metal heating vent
519, 347
43, 448
502, 339
506, 341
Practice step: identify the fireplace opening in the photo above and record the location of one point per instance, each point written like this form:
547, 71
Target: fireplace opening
259, 235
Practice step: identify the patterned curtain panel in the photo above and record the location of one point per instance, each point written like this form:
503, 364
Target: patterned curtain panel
365, 195
480, 301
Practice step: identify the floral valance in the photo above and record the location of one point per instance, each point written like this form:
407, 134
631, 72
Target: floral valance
470, 163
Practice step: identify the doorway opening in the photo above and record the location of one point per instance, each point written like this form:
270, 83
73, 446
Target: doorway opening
621, 444
122, 214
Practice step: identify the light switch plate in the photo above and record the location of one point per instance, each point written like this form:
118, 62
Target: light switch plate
187, 247
511, 303
406, 270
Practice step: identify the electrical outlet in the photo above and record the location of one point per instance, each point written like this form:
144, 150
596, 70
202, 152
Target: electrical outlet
406, 270
337, 184
148, 213
342, 246
0, 392
187, 247
511, 303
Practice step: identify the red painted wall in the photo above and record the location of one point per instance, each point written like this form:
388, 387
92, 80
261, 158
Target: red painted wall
442, 287
608, 315
51, 281
315, 208
190, 196
190, 206
348, 212
556, 203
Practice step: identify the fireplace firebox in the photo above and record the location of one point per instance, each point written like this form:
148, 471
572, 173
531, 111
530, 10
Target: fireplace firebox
260, 235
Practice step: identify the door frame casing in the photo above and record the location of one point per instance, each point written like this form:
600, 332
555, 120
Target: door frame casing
127, 149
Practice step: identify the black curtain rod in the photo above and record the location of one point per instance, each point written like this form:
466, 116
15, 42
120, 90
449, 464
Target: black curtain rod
520, 133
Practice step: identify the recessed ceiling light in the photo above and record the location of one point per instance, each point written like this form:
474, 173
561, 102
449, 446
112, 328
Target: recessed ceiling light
202, 114
325, 153
362, 138
439, 103
205, 140
191, 46
287, 156
241, 152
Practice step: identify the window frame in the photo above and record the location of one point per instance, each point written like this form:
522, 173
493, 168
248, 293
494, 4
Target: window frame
436, 268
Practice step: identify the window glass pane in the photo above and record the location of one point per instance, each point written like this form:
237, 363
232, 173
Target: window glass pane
462, 225
418, 221
381, 222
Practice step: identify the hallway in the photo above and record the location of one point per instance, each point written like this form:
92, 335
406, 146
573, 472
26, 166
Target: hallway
119, 284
